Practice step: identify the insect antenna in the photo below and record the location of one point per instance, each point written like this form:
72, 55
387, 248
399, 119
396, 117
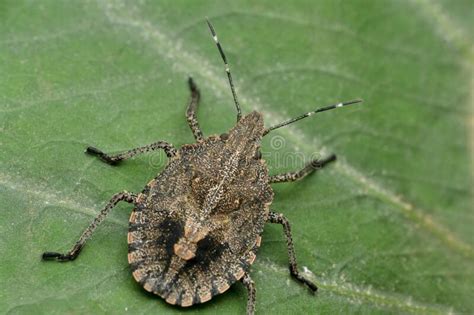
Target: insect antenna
227, 69
322, 109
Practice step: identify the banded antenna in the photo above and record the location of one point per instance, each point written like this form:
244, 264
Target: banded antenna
227, 69
322, 109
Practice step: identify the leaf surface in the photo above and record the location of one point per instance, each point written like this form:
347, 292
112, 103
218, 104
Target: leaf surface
386, 229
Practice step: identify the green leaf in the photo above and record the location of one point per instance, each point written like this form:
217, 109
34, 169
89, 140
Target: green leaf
386, 229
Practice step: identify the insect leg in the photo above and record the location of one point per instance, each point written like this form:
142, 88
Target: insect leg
76, 249
191, 115
308, 169
250, 285
114, 159
274, 217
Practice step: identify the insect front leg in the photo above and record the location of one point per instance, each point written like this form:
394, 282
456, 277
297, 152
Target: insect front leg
251, 290
191, 111
114, 159
76, 249
274, 217
308, 169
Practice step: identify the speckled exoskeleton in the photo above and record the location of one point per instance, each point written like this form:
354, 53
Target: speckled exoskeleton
196, 227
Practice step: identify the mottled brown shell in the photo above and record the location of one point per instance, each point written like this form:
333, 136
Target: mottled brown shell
177, 197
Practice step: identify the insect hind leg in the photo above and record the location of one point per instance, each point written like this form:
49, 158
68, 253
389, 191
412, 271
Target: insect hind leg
76, 249
274, 217
251, 290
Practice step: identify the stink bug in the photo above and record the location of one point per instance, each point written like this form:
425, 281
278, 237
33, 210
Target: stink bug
196, 227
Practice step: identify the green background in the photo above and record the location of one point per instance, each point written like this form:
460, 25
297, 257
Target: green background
386, 229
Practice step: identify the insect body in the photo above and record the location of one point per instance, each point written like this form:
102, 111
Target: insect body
196, 227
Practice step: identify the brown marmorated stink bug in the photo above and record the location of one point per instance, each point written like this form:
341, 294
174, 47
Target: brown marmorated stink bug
197, 226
